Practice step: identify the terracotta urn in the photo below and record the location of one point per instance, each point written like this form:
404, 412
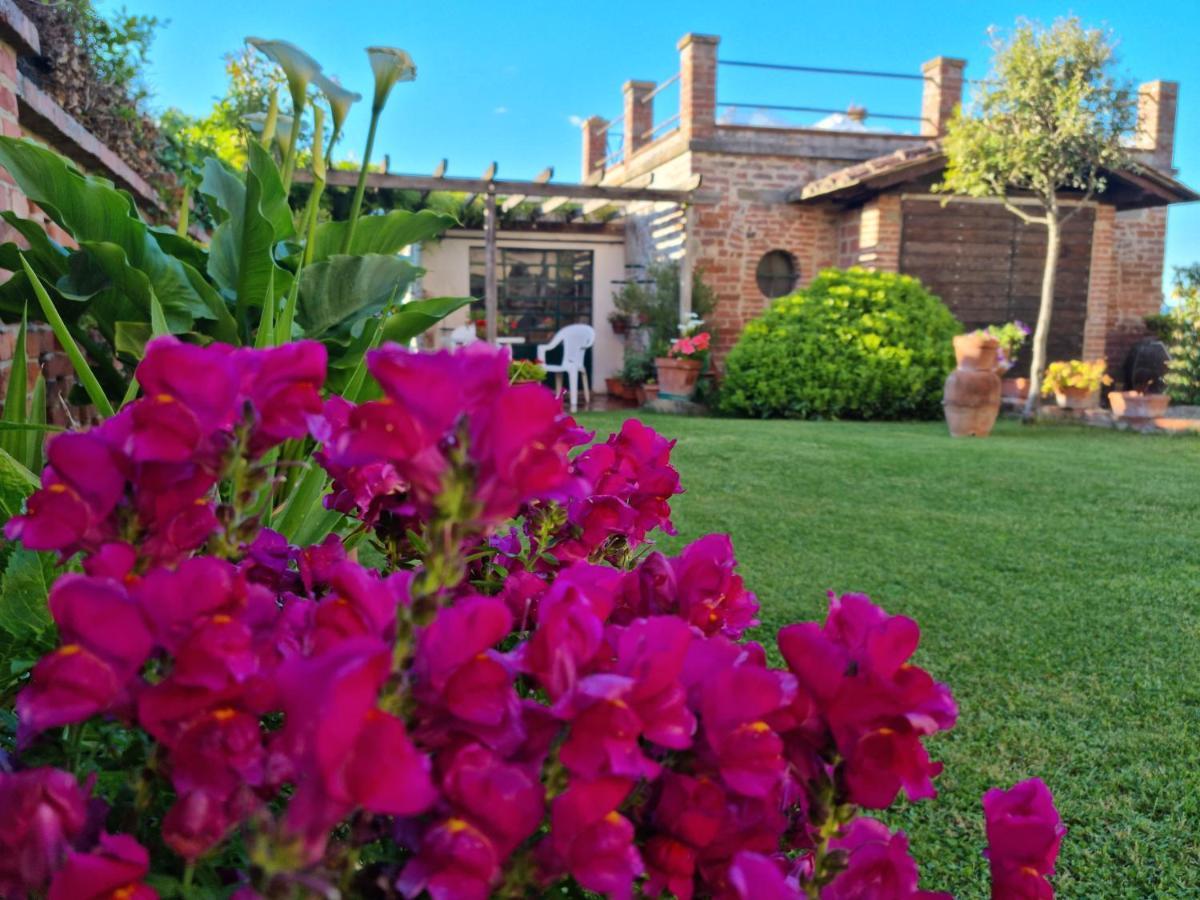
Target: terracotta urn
677, 377
1076, 398
971, 399
1137, 408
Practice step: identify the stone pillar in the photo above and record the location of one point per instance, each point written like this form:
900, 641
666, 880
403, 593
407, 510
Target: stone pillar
639, 115
879, 234
1156, 122
595, 131
942, 93
697, 85
1101, 284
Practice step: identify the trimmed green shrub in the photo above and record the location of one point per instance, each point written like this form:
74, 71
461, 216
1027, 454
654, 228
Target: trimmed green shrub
853, 344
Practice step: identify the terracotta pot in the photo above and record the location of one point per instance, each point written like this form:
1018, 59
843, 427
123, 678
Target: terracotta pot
619, 325
1138, 408
650, 393
677, 377
971, 399
639, 395
1076, 398
619, 389
1015, 389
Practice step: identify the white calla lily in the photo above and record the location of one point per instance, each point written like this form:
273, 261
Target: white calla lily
340, 99
298, 67
390, 65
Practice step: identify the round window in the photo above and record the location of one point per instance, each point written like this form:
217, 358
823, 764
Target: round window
776, 273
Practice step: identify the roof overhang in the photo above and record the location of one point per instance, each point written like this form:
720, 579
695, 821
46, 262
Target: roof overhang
1136, 187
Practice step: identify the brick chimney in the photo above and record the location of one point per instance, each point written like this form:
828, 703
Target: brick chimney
639, 115
595, 131
856, 113
1156, 122
697, 85
942, 93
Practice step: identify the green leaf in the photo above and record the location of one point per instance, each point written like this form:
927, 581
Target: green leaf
82, 370
17, 394
182, 248
36, 422
386, 234
44, 254
131, 338
24, 613
16, 483
304, 502
418, 316
91, 210
241, 258
341, 291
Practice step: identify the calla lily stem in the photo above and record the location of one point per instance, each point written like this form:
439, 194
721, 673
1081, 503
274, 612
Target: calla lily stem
361, 187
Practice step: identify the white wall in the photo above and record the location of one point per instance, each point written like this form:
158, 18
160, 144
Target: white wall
447, 265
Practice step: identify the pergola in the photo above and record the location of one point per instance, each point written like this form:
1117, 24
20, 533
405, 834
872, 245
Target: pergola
508, 194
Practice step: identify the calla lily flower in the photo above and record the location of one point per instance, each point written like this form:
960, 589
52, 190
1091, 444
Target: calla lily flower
340, 100
257, 122
298, 66
390, 65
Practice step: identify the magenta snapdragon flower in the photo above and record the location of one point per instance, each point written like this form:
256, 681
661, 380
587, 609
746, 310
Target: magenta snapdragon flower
878, 865
45, 812
1024, 832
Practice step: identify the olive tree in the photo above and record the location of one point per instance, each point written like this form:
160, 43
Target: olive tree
1052, 116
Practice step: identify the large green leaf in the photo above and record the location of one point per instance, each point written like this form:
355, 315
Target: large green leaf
419, 316
338, 293
17, 395
255, 217
24, 612
180, 247
90, 209
46, 255
16, 483
384, 234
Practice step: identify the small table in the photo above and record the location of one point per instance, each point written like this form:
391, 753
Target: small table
510, 340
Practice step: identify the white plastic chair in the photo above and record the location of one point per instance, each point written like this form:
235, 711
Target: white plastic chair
461, 336
575, 340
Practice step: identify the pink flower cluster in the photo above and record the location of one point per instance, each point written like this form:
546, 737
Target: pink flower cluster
525, 696
690, 346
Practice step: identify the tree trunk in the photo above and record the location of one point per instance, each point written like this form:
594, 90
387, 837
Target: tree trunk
1041, 333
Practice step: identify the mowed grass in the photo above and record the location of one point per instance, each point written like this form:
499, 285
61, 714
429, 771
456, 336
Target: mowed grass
1055, 573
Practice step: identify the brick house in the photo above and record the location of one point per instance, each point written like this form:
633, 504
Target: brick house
27, 110
777, 204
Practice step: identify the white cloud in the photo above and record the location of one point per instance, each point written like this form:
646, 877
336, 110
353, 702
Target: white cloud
500, 110
575, 120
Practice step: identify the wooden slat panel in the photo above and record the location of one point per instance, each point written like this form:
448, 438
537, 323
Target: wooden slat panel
986, 265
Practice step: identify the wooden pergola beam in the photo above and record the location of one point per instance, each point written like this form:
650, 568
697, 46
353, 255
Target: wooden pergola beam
515, 200
473, 186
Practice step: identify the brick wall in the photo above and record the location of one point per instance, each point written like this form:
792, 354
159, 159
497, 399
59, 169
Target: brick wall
1139, 238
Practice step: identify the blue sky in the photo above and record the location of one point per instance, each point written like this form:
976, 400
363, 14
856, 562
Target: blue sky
506, 81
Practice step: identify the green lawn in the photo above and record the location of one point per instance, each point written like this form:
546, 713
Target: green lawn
1055, 573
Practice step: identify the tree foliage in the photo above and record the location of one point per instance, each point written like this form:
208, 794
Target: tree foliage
1052, 116
1183, 333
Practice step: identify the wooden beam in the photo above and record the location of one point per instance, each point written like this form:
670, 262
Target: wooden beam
490, 296
515, 200
377, 181
439, 171
489, 178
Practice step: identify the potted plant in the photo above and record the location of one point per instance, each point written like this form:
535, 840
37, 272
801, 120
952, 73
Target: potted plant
1011, 337
1075, 383
619, 321
637, 370
648, 393
1139, 407
679, 370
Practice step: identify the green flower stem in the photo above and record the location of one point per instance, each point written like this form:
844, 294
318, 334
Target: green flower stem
289, 161
361, 187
